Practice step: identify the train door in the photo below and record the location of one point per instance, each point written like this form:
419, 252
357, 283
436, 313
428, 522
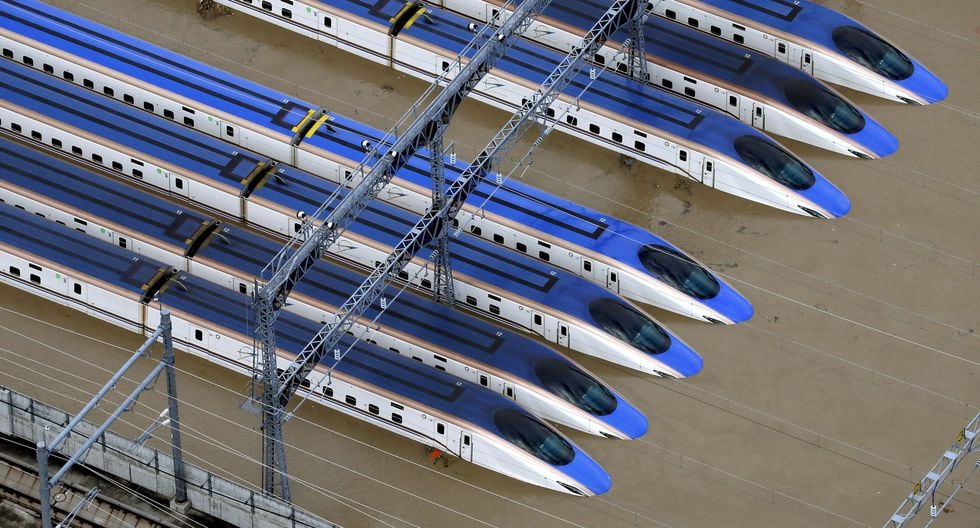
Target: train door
562, 334
588, 269
734, 106
326, 23
178, 184
612, 281
229, 132
683, 163
758, 116
77, 291
782, 50
466, 447
509, 391
442, 435
806, 62
537, 323
708, 172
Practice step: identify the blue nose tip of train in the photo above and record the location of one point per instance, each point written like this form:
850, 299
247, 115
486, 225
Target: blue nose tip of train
926, 85
877, 139
830, 201
732, 305
587, 472
682, 358
628, 420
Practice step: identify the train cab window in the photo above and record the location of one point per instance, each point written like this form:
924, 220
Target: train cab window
148, 106
739, 39
688, 91
440, 428
77, 289
575, 386
56, 143
108, 91
571, 120
693, 22
8, 53
639, 145
715, 30
667, 83
494, 309
28, 60
617, 137
68, 76
679, 270
397, 418
47, 68
373, 409
15, 271
774, 162
476, 230
188, 121
470, 300
498, 238
671, 14
870, 51
199, 335
328, 392
123, 242
732, 100
127, 98
117, 166
820, 104
627, 323
484, 380
287, 13
36, 279
169, 114
327, 22
543, 255
533, 436
594, 128
682, 155
781, 48
522, 247
350, 400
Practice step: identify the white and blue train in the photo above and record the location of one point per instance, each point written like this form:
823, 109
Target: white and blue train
383, 389
537, 378
564, 309
619, 256
752, 87
649, 125
815, 39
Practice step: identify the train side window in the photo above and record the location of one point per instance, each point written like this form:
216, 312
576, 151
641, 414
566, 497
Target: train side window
440, 428
397, 418
732, 100
266, 5
543, 255
599, 59
498, 238
123, 242
403, 275
36, 279
350, 400
594, 128
373, 409
639, 145
617, 137
88, 84
96, 158
108, 91
466, 440
522, 247
470, 300
117, 166
445, 66
738, 38
47, 68
328, 392
37, 135
8, 53
28, 60
397, 406
16, 127
230, 131
327, 22
688, 91
148, 106
682, 155
15, 271
612, 277
587, 265
242, 288
68, 76
667, 83
550, 112
199, 335
572, 120
510, 392
129, 99
169, 114
439, 358
56, 143
715, 30
708, 166
483, 379
671, 14
78, 288
494, 309
693, 22
781, 47
563, 330
179, 183
76, 150
537, 319
476, 230
426, 283
758, 111
287, 13
440, 368
188, 121
137, 173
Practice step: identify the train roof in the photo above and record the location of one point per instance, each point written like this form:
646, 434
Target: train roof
813, 22
692, 48
77, 252
298, 190
249, 253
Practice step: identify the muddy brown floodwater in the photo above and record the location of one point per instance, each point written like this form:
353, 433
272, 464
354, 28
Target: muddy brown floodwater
861, 363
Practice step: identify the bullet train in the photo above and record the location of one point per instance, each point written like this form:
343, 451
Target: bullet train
619, 256
754, 88
815, 39
627, 117
562, 308
529, 373
386, 390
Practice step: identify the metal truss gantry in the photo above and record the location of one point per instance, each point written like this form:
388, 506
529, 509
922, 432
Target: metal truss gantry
924, 491
321, 229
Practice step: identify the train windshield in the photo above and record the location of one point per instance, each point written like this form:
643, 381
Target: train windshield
531, 435
575, 386
870, 51
678, 270
628, 324
774, 162
819, 103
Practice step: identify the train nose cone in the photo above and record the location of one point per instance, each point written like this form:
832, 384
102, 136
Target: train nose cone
732, 304
682, 358
926, 85
587, 472
877, 139
628, 420
832, 202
